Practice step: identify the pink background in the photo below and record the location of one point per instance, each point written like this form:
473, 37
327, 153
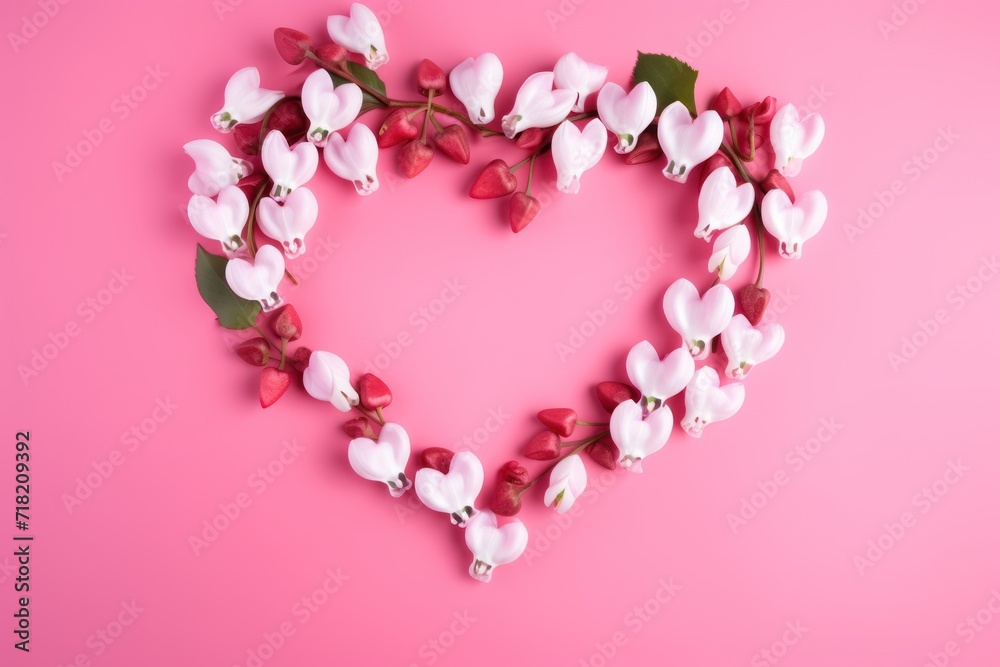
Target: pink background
851, 302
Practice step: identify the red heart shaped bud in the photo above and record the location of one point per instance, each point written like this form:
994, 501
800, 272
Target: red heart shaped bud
454, 142
543, 447
438, 458
775, 181
251, 183
713, 163
611, 393
514, 473
430, 77
331, 53
286, 323
255, 351
561, 421
530, 139
397, 128
726, 104
647, 148
754, 300
414, 158
288, 117
292, 45
247, 138
605, 453
523, 209
761, 112
373, 392
495, 180
300, 358
359, 427
273, 383
506, 499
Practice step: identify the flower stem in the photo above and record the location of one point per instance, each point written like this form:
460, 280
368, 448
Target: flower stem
757, 221
531, 172
583, 423
586, 442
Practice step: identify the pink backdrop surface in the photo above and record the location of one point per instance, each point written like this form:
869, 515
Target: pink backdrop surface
867, 490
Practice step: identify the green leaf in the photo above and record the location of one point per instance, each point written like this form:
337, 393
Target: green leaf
233, 312
671, 79
367, 77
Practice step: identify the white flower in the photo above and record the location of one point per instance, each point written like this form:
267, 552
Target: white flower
574, 152
626, 116
658, 379
574, 73
221, 220
355, 159
698, 319
288, 223
731, 249
491, 545
747, 345
721, 203
383, 461
327, 378
793, 224
214, 167
454, 493
246, 101
793, 140
328, 108
258, 281
686, 142
475, 82
288, 167
706, 402
537, 105
636, 437
567, 481
360, 33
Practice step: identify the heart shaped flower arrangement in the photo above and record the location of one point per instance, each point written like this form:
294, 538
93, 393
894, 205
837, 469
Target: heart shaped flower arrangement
745, 153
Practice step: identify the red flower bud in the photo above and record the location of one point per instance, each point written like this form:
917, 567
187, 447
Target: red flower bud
438, 458
506, 500
605, 453
251, 183
561, 421
514, 473
288, 117
373, 392
430, 77
359, 427
611, 393
247, 137
331, 53
754, 301
775, 181
761, 112
255, 351
530, 139
543, 447
454, 142
414, 158
286, 323
523, 209
300, 358
292, 45
726, 104
273, 383
495, 180
397, 128
713, 163
647, 148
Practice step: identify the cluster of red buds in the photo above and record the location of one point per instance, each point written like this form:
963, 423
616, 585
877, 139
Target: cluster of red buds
275, 377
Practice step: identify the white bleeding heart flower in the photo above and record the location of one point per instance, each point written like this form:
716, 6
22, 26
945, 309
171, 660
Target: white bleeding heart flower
706, 402
636, 437
793, 224
686, 142
475, 82
361, 33
537, 105
574, 73
288, 167
658, 379
492, 545
327, 378
258, 281
575, 151
567, 481
747, 345
221, 220
698, 319
626, 116
721, 203
328, 108
245, 101
354, 159
454, 493
731, 248
383, 460
288, 223
214, 167
794, 139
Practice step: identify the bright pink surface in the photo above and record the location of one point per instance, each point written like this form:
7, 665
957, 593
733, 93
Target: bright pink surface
593, 579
